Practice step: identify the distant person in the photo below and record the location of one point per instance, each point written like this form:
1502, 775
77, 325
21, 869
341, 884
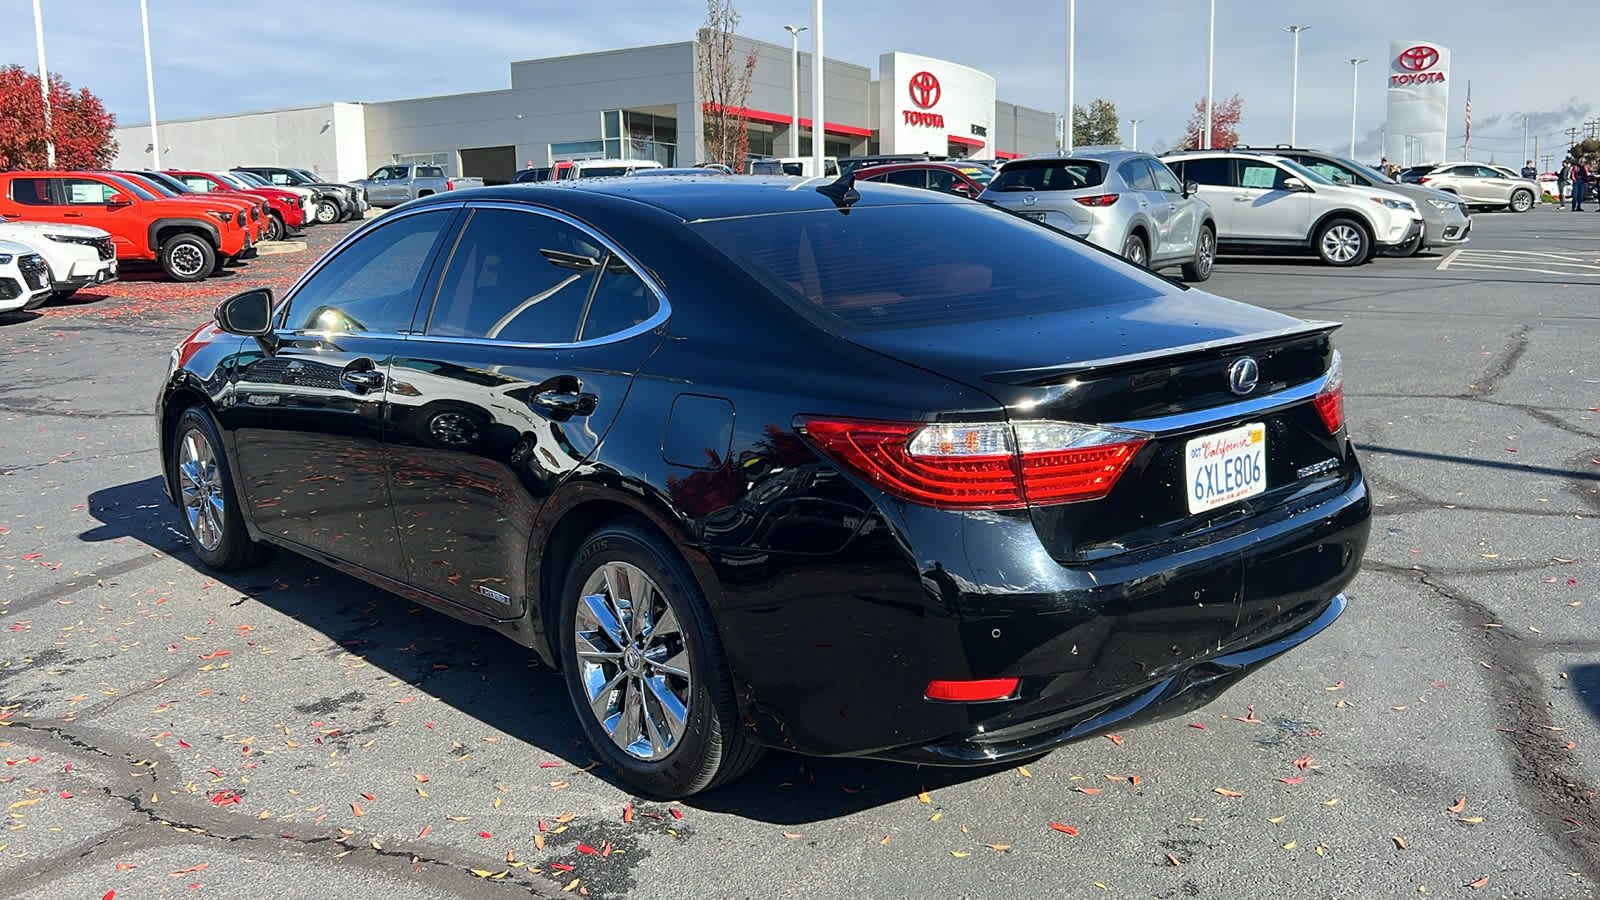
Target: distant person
1563, 177
1528, 171
1580, 183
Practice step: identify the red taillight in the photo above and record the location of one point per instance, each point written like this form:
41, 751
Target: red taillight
972, 691
989, 465
1422, 180
1330, 400
1097, 200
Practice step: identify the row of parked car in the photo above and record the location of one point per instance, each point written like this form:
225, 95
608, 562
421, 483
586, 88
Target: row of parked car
61, 231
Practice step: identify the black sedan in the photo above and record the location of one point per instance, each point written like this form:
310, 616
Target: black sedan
846, 471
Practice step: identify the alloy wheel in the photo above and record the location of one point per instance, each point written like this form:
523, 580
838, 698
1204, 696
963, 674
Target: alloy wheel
633, 660
1341, 243
327, 213
201, 483
1207, 256
1134, 251
187, 260
1522, 201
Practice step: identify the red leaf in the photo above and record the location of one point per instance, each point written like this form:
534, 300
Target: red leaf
561, 867
184, 744
627, 813
1115, 739
33, 556
1197, 725
1291, 780
369, 797
677, 814
1304, 761
1458, 806
1480, 882
548, 765
109, 895
585, 848
485, 835
424, 832
1064, 829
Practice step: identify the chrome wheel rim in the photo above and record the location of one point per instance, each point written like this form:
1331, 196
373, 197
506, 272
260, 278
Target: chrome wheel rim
1208, 252
326, 214
1341, 243
633, 661
1134, 251
1522, 202
187, 259
201, 483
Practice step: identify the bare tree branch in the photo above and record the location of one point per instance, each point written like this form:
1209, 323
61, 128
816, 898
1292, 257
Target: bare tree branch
724, 86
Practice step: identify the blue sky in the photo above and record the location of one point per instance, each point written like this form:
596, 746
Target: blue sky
1148, 58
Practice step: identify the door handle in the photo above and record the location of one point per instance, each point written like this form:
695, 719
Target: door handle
72, 215
1241, 199
574, 404
361, 380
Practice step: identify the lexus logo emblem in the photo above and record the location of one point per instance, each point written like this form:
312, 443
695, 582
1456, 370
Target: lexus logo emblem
1418, 58
1243, 375
924, 89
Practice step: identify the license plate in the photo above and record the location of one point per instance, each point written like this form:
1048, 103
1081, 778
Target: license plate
1226, 467
1035, 216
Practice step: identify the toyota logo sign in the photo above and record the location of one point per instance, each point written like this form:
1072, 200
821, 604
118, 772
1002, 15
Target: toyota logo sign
924, 89
1418, 58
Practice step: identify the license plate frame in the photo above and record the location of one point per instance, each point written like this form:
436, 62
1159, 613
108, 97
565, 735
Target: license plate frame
1225, 467
1033, 216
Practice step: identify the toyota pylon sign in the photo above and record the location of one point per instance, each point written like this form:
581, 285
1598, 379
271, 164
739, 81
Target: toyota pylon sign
1419, 102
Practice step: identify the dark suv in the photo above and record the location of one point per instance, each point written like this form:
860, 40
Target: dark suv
333, 202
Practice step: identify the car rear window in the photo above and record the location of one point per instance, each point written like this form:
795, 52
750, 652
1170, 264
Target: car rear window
907, 265
1049, 175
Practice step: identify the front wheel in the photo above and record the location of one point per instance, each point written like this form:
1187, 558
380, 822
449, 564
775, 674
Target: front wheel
1205, 256
275, 227
645, 669
197, 465
188, 258
1521, 201
327, 212
1343, 242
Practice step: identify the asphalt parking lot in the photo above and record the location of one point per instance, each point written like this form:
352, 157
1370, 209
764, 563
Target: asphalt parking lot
293, 732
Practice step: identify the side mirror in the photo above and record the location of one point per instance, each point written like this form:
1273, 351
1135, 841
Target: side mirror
1294, 184
118, 199
248, 314
962, 188
1190, 188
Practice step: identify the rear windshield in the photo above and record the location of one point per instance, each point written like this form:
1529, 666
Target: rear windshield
602, 171
1049, 175
883, 267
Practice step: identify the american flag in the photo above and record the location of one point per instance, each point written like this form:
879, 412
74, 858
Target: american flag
1469, 112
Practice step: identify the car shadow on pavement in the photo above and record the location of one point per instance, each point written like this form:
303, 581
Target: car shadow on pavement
1586, 682
18, 317
491, 678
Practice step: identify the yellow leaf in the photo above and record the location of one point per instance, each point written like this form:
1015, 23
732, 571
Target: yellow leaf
1023, 771
923, 796
1322, 849
1276, 819
1101, 886
421, 792
1475, 820
482, 873
1290, 845
21, 803
1333, 802
570, 885
999, 847
884, 842
538, 842
497, 802
958, 854
1226, 793
936, 817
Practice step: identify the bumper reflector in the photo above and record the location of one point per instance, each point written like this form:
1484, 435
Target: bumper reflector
971, 691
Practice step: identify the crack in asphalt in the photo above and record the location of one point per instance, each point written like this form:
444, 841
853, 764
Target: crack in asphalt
1502, 365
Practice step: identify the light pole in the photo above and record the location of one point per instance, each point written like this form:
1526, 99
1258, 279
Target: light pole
1294, 79
818, 63
1355, 90
1211, 68
1134, 144
150, 85
794, 64
44, 88
1072, 66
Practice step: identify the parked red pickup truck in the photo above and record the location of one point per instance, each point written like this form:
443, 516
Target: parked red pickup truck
190, 239
284, 206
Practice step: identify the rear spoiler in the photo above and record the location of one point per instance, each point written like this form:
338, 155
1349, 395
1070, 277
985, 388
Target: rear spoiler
1045, 374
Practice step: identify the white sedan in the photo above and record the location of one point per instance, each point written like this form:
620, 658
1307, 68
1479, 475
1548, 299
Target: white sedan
78, 255
24, 277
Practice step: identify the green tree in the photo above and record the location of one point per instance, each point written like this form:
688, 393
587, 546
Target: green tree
1097, 125
1586, 152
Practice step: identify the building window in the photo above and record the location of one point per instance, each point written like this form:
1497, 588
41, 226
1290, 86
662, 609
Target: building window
651, 137
577, 150
762, 141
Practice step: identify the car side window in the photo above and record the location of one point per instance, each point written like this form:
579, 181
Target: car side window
429, 172
621, 300
516, 276
916, 178
85, 192
1328, 170
373, 284
1165, 180
1137, 175
1216, 171
1262, 175
196, 183
31, 191
941, 180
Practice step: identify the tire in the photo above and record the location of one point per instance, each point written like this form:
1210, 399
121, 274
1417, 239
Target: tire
327, 212
1342, 242
188, 258
1205, 255
1521, 200
708, 748
276, 230
1135, 250
199, 468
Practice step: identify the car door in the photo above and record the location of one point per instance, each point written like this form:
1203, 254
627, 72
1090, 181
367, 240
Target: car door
534, 333
306, 417
34, 199
1183, 228
1265, 208
1142, 186
1213, 176
1493, 185
391, 186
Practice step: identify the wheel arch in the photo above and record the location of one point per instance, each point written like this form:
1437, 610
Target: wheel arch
1361, 220
163, 229
179, 395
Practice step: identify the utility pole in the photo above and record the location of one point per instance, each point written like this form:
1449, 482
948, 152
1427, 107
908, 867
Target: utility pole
44, 88
1572, 136
1355, 91
1134, 123
1525, 138
794, 84
1294, 79
1072, 65
819, 127
1211, 67
150, 86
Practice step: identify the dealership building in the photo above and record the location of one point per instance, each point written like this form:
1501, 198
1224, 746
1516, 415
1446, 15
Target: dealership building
637, 103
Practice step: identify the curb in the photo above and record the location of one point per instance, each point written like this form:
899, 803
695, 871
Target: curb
273, 248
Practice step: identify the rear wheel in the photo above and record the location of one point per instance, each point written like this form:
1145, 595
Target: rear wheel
1521, 201
198, 468
187, 257
1205, 255
645, 669
1135, 251
1342, 242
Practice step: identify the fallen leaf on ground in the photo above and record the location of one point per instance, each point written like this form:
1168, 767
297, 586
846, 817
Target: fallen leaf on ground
923, 796
1226, 793
1173, 860
1479, 883
1115, 739
1399, 842
1460, 804
1064, 829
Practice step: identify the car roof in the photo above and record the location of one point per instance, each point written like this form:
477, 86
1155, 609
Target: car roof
1105, 156
694, 197
920, 164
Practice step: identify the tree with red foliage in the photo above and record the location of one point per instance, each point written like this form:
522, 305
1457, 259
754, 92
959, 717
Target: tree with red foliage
82, 127
1225, 118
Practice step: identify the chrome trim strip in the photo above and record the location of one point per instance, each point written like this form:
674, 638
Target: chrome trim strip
1256, 406
1304, 328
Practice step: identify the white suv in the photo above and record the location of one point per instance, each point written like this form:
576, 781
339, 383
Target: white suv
1266, 202
24, 277
79, 256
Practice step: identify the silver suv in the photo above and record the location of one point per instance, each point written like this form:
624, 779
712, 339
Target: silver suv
1479, 185
1267, 202
1444, 217
1127, 202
